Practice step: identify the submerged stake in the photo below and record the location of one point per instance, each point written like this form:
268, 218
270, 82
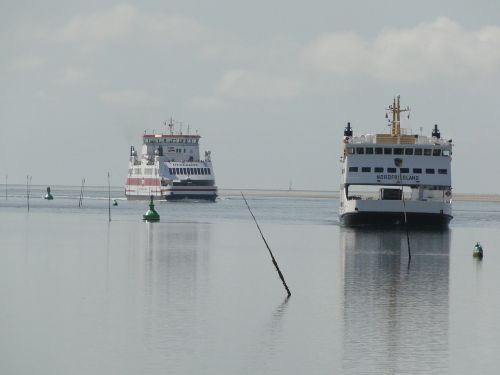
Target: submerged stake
269, 249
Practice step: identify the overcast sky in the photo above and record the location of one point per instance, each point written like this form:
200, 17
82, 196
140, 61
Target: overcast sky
268, 84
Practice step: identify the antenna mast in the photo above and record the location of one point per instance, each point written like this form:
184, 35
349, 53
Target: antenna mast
396, 110
171, 126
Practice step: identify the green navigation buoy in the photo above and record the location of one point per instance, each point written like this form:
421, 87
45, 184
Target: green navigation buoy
48, 196
477, 252
151, 214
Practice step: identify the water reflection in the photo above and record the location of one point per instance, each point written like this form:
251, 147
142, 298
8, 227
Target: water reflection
175, 277
395, 316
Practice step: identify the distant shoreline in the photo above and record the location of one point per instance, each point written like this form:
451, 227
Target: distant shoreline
464, 197
269, 193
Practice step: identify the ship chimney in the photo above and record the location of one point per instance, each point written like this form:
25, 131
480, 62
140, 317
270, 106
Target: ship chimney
436, 133
348, 130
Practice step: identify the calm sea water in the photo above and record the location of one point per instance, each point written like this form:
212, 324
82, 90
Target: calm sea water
197, 293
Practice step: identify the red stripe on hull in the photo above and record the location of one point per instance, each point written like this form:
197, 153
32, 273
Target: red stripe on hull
143, 181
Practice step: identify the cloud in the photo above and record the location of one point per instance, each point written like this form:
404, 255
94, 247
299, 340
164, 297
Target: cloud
436, 50
245, 83
75, 76
208, 103
26, 63
123, 22
130, 98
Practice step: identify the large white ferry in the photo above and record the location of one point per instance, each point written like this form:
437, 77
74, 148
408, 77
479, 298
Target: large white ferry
395, 178
169, 167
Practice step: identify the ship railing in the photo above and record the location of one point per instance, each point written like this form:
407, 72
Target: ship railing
356, 195
372, 139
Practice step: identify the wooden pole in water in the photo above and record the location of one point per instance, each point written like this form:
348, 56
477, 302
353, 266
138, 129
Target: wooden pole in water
399, 162
28, 188
109, 198
269, 249
80, 200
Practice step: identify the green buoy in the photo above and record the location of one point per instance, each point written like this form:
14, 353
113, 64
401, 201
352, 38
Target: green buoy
478, 251
48, 196
151, 214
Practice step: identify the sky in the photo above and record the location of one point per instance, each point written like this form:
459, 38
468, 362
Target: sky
269, 85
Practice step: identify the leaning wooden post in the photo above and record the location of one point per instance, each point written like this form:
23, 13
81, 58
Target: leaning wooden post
269, 249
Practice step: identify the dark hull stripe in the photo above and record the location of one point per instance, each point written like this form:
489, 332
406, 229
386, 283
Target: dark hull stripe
382, 219
180, 196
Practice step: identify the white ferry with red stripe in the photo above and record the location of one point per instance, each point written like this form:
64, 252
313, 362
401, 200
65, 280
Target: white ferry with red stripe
396, 178
169, 167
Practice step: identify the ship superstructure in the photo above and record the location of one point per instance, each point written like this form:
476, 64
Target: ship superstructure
169, 167
396, 177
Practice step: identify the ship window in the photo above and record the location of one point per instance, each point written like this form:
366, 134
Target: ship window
417, 170
184, 150
391, 170
360, 150
427, 151
442, 171
199, 170
208, 170
366, 169
408, 151
378, 150
429, 171
378, 169
184, 171
170, 170
130, 171
387, 151
369, 151
398, 151
436, 152
353, 169
446, 152
404, 170
350, 150
418, 151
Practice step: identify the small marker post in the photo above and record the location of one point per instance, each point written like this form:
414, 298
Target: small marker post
109, 198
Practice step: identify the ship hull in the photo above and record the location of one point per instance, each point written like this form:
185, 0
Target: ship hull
208, 194
382, 219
